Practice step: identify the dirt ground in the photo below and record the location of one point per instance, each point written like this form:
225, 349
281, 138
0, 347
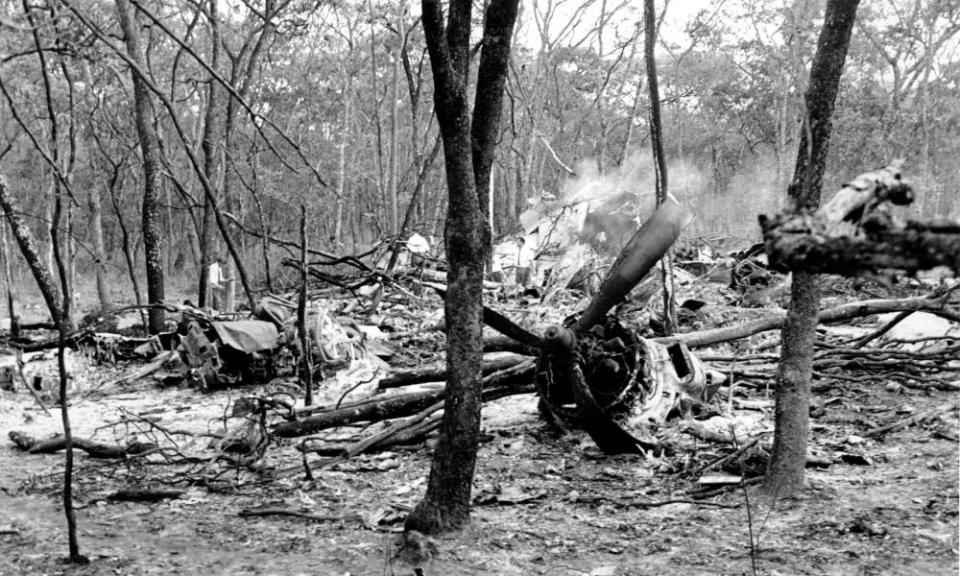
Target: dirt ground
546, 503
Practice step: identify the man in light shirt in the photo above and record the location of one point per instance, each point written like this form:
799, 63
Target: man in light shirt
524, 268
216, 282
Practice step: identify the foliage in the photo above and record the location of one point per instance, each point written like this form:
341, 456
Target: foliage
731, 79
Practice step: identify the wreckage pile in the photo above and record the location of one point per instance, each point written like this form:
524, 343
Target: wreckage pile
604, 373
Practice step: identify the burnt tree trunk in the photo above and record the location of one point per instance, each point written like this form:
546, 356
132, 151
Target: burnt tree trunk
446, 505
149, 148
791, 412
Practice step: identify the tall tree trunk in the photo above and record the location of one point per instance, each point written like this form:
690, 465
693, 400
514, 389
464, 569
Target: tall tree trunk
264, 229
8, 281
210, 155
69, 266
127, 250
149, 148
242, 79
785, 471
488, 104
306, 355
342, 173
51, 197
393, 199
70, 244
99, 253
446, 505
659, 158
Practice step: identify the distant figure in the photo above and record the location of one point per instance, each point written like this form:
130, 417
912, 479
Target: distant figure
215, 282
524, 264
419, 249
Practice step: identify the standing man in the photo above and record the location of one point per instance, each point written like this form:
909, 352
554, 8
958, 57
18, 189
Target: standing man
524, 265
217, 290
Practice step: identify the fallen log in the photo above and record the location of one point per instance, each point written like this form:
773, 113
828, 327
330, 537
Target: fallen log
250, 513
410, 429
144, 495
913, 419
507, 344
32, 445
400, 378
836, 314
379, 409
396, 406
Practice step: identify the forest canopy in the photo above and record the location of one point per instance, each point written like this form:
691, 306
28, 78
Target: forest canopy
328, 105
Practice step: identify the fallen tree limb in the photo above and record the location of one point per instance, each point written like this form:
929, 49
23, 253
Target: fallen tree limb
144, 495
724, 460
250, 513
411, 376
400, 431
363, 403
378, 409
144, 371
94, 449
412, 428
919, 417
838, 313
398, 405
507, 344
649, 503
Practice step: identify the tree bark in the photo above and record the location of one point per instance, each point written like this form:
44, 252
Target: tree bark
393, 200
306, 358
149, 148
791, 413
59, 314
261, 217
446, 505
8, 282
99, 253
488, 103
28, 247
126, 247
211, 133
659, 160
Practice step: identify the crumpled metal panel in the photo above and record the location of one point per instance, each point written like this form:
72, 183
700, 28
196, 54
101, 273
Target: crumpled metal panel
247, 336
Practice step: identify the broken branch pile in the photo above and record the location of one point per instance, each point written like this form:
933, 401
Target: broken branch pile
512, 380
933, 367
